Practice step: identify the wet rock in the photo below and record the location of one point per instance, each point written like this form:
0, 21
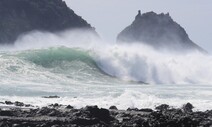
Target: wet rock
43, 111
206, 123
1, 124
132, 109
162, 107
146, 110
56, 105
4, 124
8, 103
69, 107
93, 116
186, 121
16, 125
113, 108
55, 126
28, 105
53, 112
17, 103
2, 103
188, 107
6, 113
85, 121
102, 114
51, 96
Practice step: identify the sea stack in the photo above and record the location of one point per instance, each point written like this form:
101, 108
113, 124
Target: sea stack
159, 31
18, 17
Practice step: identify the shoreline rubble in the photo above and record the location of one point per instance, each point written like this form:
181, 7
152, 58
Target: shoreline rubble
57, 115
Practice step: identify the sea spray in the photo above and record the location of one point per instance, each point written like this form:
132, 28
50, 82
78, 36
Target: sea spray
130, 62
90, 71
142, 63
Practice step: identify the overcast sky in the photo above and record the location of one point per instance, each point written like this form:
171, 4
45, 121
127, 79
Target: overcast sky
109, 17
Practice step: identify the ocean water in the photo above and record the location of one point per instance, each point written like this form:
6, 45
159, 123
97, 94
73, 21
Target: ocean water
84, 70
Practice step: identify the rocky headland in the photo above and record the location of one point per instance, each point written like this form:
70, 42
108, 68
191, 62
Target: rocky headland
159, 31
18, 17
18, 114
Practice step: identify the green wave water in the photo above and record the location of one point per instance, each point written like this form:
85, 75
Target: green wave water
55, 56
50, 66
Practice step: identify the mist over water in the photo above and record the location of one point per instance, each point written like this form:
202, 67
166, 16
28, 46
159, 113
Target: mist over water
85, 70
136, 62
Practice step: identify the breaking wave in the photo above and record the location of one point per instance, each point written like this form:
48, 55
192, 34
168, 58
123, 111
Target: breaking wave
79, 55
89, 71
128, 63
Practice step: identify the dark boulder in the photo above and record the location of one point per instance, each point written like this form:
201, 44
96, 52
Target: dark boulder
162, 107
21, 16
51, 96
146, 110
8, 103
132, 109
6, 113
56, 105
188, 107
44, 111
159, 31
85, 121
69, 107
20, 104
101, 114
113, 108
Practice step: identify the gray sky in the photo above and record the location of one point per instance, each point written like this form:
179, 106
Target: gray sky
109, 17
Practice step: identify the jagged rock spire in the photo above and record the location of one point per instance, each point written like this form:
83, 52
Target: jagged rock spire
138, 15
159, 31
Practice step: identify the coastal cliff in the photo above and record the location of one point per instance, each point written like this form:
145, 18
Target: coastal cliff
18, 17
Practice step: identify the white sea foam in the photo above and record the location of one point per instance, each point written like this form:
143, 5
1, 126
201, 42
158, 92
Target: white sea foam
146, 97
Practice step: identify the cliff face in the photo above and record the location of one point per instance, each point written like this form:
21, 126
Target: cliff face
21, 16
159, 31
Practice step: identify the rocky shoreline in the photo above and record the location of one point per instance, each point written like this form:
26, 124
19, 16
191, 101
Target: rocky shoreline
18, 114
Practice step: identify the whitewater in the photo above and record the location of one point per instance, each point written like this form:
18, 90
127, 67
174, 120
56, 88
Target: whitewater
84, 70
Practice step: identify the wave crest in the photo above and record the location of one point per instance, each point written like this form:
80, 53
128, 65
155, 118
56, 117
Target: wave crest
55, 56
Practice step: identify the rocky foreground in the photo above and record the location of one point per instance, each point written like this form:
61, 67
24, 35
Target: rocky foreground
19, 114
